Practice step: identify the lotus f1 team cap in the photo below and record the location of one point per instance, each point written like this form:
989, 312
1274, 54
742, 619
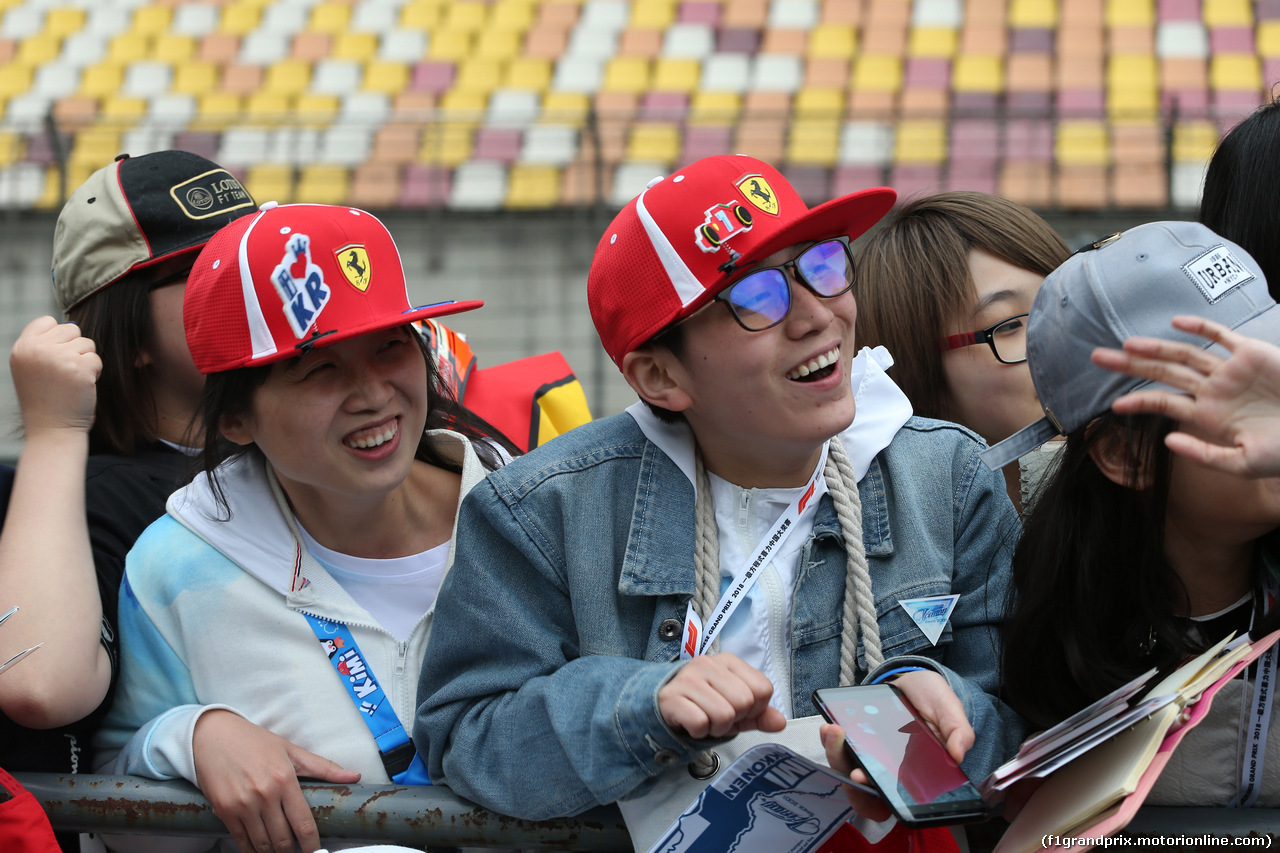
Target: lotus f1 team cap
291, 277
153, 212
1129, 284
689, 236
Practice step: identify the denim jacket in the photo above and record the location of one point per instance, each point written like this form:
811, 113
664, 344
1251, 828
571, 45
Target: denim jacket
561, 618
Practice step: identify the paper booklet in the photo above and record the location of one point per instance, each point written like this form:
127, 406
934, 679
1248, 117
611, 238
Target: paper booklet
1090, 772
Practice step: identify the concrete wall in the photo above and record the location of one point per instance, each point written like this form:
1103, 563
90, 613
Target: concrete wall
531, 270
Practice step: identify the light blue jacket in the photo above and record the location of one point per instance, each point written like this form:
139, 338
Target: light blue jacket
561, 618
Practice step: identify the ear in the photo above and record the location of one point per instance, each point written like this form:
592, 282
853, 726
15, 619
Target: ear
143, 358
658, 377
1113, 453
235, 429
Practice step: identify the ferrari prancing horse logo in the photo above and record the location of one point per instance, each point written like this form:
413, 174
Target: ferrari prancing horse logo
757, 191
353, 260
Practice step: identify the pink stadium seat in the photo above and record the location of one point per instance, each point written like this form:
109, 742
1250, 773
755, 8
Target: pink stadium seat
1231, 40
1028, 40
1178, 10
975, 104
435, 77
849, 179
499, 144
1028, 139
1028, 104
664, 106
702, 142
737, 40
979, 177
974, 141
699, 13
812, 182
40, 149
1185, 103
202, 142
426, 186
927, 73
1266, 10
914, 181
1081, 103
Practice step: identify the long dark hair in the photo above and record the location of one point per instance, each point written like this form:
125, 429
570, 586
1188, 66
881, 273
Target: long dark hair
231, 393
1240, 188
1095, 596
118, 320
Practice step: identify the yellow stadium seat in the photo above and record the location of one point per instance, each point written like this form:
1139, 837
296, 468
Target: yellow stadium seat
1194, 141
358, 46
478, 75
676, 75
877, 73
1132, 103
652, 14
832, 41
1038, 14
122, 111
268, 108
323, 183
445, 144
978, 74
152, 20
37, 50
64, 22
498, 44
12, 147
813, 142
567, 108
814, 104
288, 77
1268, 39
217, 110
715, 109
102, 80
937, 42
174, 48
14, 80
195, 78
469, 17
1234, 71
528, 74
95, 147
270, 182
454, 45
52, 196
533, 187
1082, 142
240, 17
1227, 13
920, 142
1132, 71
318, 110
387, 77
332, 18
129, 47
421, 14
464, 106
1130, 13
512, 15
626, 74
654, 142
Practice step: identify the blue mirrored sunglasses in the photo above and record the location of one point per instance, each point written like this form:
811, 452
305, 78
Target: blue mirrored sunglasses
761, 299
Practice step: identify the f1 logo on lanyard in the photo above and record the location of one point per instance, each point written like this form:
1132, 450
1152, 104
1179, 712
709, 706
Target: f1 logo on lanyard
695, 641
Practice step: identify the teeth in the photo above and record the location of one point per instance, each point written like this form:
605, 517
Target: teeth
378, 438
813, 365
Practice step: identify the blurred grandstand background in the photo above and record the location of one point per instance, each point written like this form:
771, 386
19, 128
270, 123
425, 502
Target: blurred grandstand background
497, 138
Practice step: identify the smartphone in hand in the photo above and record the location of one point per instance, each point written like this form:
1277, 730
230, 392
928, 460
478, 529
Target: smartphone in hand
904, 759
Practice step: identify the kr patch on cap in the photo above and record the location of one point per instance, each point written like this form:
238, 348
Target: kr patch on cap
690, 235
271, 286
150, 212
1129, 284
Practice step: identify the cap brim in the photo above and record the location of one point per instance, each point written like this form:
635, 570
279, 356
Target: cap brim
1019, 444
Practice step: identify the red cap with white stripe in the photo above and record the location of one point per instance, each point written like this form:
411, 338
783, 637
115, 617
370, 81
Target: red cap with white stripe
689, 236
272, 285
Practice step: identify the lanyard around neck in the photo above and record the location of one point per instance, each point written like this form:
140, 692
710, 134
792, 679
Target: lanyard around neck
695, 640
1255, 718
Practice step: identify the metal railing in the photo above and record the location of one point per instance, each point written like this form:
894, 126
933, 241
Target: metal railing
410, 815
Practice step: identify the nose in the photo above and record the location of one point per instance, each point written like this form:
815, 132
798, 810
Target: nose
370, 390
809, 312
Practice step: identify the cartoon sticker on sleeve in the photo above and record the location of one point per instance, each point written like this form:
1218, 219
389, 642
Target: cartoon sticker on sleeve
300, 284
930, 614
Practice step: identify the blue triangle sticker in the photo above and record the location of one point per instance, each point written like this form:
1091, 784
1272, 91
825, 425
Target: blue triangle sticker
930, 614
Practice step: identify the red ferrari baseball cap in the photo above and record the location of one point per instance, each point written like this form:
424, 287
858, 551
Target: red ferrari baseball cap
272, 285
689, 236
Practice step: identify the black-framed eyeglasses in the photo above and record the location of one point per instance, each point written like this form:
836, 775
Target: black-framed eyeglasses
761, 299
1007, 339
